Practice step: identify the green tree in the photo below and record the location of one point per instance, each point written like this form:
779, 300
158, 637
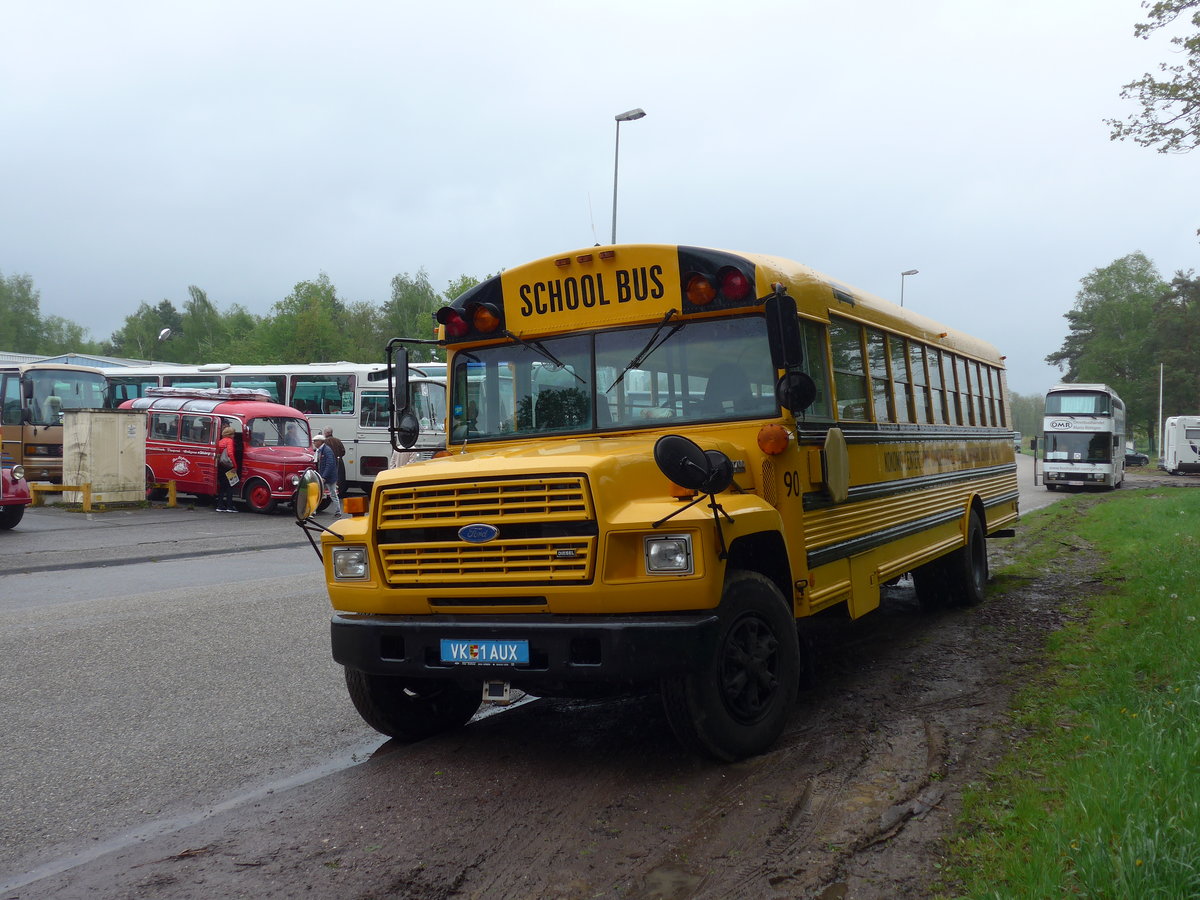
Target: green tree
1111, 334
1176, 345
1169, 114
306, 326
139, 337
409, 314
201, 335
20, 315
1028, 410
61, 335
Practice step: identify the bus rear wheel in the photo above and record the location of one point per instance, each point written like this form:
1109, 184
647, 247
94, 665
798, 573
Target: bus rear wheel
959, 578
153, 492
737, 703
410, 709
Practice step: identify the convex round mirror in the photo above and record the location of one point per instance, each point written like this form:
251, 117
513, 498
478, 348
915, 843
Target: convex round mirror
795, 391
407, 429
308, 494
682, 461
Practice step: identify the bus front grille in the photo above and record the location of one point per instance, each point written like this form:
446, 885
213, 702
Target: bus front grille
533, 499
545, 532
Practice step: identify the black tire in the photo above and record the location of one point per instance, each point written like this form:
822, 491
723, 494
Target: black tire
967, 567
410, 709
737, 703
153, 493
932, 586
11, 515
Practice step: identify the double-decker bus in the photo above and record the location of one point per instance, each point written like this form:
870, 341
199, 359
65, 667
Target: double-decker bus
661, 460
350, 398
1083, 437
35, 397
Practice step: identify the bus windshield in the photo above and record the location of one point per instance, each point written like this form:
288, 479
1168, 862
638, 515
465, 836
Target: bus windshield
279, 431
63, 389
709, 370
1081, 403
1074, 446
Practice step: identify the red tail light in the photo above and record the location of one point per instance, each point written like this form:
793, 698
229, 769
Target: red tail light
734, 285
449, 317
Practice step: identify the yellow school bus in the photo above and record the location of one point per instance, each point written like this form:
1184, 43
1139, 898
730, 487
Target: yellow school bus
661, 460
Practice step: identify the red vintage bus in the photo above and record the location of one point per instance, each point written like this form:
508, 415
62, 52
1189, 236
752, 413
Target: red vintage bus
273, 443
14, 495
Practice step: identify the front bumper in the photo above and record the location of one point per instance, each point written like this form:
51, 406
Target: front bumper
568, 655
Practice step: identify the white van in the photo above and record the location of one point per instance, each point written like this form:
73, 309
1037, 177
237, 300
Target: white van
1181, 445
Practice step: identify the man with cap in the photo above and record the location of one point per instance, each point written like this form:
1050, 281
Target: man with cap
327, 469
339, 453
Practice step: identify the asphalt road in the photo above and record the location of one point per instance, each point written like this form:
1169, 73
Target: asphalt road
161, 666
158, 665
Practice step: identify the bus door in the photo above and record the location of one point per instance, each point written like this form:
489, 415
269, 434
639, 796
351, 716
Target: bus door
10, 418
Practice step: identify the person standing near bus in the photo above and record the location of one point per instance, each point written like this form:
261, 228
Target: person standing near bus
339, 453
328, 470
226, 463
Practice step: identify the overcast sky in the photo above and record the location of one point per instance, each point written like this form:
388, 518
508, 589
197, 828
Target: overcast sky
246, 146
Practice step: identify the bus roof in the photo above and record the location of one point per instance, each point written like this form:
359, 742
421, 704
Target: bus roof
601, 278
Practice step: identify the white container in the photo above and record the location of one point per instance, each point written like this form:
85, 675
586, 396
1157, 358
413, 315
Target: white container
107, 449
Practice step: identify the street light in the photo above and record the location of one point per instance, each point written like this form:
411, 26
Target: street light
630, 116
904, 275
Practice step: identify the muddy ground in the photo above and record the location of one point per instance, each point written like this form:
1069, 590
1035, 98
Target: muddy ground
588, 800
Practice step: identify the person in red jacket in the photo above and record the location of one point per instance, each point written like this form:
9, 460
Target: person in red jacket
224, 485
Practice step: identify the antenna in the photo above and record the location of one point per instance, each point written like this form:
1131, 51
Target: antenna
592, 219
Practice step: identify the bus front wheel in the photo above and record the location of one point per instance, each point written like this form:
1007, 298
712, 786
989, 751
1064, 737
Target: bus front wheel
738, 702
11, 515
410, 709
258, 496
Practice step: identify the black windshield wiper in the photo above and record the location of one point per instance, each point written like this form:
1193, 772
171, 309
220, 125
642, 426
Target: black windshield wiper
544, 353
650, 347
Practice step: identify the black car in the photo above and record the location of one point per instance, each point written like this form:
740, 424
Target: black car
1133, 458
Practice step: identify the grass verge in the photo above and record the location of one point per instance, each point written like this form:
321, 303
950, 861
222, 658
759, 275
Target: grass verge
1100, 796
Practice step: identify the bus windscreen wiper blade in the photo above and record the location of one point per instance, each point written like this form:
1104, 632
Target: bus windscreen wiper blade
650, 347
544, 353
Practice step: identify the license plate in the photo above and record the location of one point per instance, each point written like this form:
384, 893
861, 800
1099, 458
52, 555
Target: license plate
485, 653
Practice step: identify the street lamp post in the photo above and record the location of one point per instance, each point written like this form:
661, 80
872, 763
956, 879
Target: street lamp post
623, 117
904, 275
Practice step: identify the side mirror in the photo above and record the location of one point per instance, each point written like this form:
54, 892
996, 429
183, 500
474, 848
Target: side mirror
783, 331
402, 423
308, 495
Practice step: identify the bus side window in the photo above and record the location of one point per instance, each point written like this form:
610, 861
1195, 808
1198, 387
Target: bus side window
12, 401
164, 426
880, 388
937, 396
816, 365
849, 373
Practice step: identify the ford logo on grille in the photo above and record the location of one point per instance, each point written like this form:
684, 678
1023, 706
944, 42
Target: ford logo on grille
479, 533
